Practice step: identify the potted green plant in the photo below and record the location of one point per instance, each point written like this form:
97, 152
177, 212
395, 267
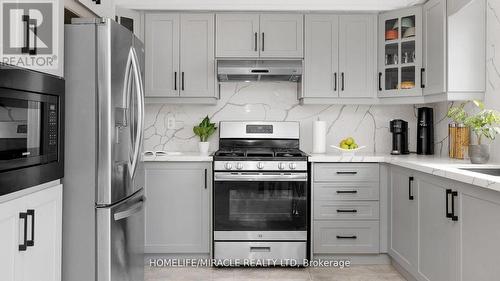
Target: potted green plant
484, 123
204, 130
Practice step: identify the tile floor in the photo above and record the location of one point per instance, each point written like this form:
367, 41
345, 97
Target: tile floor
353, 273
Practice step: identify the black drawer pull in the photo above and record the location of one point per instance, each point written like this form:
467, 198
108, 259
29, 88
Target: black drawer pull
342, 75
347, 173
175, 81
347, 191
410, 192
24, 216
335, 82
255, 42
346, 211
347, 237
454, 216
422, 84
31, 213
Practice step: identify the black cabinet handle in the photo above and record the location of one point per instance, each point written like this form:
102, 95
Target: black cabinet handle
422, 85
347, 173
454, 216
347, 237
175, 80
448, 213
347, 211
263, 42
182, 85
342, 75
206, 177
24, 216
410, 192
347, 191
255, 42
98, 2
335, 81
380, 81
31, 213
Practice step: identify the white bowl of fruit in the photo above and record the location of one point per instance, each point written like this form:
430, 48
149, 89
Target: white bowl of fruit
348, 146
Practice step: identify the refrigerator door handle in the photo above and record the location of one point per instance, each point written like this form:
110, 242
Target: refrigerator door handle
133, 65
137, 207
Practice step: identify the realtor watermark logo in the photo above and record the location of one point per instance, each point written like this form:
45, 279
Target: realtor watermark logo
29, 34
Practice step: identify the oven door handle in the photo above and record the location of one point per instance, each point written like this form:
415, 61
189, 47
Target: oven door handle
260, 177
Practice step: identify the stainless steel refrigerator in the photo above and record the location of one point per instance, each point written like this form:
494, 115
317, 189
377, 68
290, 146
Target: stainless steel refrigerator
103, 192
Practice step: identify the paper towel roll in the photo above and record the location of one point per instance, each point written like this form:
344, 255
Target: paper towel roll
319, 136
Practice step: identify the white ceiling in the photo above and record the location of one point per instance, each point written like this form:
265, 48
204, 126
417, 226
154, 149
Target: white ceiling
268, 5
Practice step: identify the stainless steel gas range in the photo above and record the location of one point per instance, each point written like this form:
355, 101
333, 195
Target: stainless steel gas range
261, 193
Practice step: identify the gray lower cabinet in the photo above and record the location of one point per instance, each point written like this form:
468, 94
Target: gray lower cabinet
403, 219
448, 232
178, 208
346, 209
437, 233
479, 233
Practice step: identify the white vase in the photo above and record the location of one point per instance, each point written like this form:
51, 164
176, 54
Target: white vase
203, 147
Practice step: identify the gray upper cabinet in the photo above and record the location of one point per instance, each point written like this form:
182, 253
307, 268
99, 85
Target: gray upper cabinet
197, 55
321, 56
403, 241
162, 55
281, 35
237, 35
434, 47
340, 57
178, 207
180, 61
400, 53
357, 59
252, 35
454, 49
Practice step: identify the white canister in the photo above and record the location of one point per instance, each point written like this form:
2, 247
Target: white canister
319, 136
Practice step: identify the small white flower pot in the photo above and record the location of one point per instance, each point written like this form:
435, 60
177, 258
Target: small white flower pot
203, 147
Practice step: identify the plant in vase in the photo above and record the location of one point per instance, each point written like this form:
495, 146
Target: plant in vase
484, 123
204, 130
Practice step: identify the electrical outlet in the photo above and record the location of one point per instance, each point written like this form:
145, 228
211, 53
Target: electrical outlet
171, 123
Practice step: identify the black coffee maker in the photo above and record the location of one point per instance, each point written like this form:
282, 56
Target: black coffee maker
425, 131
399, 130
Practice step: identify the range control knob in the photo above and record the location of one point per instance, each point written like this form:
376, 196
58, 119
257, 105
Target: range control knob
281, 166
228, 166
292, 166
260, 165
239, 166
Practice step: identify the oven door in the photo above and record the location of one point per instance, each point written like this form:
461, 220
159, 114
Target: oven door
253, 205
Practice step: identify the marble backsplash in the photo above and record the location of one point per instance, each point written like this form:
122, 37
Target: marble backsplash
369, 125
275, 101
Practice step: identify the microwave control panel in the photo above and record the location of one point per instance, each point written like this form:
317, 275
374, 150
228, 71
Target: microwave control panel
53, 127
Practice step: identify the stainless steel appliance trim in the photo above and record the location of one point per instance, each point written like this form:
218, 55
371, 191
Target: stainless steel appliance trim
256, 176
237, 130
268, 252
259, 165
260, 235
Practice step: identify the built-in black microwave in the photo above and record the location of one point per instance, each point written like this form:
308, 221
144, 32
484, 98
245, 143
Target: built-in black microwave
31, 128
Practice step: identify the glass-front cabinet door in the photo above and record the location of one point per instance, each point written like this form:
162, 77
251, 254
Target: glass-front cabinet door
400, 53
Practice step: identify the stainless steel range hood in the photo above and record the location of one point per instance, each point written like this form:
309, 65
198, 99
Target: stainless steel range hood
259, 70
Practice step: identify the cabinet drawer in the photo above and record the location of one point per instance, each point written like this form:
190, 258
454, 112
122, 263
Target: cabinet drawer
346, 237
346, 191
346, 172
352, 210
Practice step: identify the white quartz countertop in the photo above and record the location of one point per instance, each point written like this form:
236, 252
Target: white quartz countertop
180, 157
439, 166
